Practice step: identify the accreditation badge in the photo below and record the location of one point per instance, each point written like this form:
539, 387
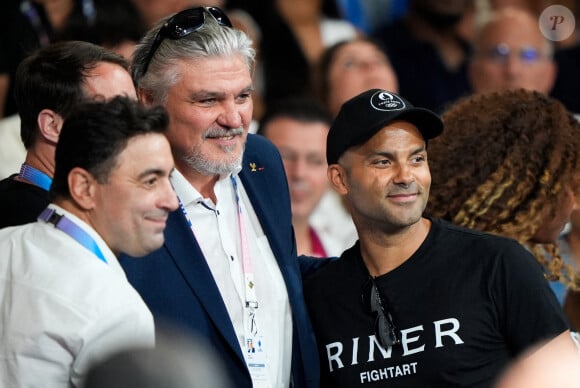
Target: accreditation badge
257, 361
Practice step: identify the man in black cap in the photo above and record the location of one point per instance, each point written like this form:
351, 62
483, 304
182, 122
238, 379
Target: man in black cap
417, 302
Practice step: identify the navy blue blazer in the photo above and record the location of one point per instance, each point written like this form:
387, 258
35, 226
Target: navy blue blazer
177, 284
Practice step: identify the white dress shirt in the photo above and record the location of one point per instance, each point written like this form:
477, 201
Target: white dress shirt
62, 308
216, 230
12, 151
333, 224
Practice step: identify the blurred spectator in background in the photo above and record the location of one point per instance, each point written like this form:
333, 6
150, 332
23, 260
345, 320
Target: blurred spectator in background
117, 26
351, 67
294, 35
429, 51
298, 127
566, 49
26, 26
510, 52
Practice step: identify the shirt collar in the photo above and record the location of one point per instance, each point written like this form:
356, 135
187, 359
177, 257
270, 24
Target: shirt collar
185, 190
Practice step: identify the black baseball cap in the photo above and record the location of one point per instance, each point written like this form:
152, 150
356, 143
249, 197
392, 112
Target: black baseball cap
361, 117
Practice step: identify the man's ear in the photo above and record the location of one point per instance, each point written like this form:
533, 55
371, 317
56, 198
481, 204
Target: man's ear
337, 177
82, 187
145, 97
50, 123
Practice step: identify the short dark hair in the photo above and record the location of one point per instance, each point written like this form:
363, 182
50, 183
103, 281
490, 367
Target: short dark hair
301, 108
95, 133
52, 78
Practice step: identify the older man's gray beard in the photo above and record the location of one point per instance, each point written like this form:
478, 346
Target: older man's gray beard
198, 162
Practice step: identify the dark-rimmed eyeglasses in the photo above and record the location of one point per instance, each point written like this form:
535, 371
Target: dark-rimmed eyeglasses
384, 328
182, 24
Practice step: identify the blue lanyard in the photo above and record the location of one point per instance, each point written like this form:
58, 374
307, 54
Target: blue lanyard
62, 222
35, 176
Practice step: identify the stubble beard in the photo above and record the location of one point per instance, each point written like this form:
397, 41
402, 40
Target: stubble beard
199, 162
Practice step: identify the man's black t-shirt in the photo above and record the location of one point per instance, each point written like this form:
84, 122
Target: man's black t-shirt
465, 304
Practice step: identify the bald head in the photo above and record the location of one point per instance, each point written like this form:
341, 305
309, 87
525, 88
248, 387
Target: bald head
510, 52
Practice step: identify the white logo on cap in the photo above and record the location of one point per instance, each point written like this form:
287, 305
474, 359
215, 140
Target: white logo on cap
386, 101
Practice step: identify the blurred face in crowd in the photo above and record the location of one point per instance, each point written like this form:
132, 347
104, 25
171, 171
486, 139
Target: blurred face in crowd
303, 149
510, 53
358, 66
386, 180
210, 109
135, 201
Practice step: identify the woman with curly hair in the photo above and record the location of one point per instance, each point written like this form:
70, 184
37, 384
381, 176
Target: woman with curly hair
508, 163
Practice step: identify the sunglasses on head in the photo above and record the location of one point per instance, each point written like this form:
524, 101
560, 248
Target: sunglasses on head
384, 328
182, 24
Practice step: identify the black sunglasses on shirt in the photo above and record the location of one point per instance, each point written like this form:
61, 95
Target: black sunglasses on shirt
384, 327
182, 24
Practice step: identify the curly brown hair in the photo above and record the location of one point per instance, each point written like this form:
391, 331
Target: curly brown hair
503, 165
